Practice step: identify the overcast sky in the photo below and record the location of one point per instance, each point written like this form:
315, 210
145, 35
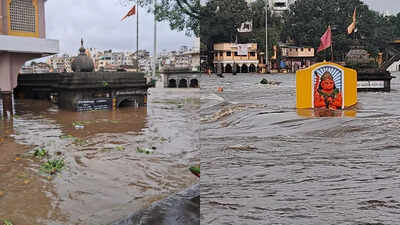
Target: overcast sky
99, 24
392, 6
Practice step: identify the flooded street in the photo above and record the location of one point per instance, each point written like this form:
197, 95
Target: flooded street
264, 162
116, 162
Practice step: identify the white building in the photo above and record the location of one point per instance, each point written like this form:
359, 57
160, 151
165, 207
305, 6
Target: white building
395, 67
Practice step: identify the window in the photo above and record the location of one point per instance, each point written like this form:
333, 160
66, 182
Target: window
228, 53
236, 54
221, 54
252, 54
22, 16
280, 4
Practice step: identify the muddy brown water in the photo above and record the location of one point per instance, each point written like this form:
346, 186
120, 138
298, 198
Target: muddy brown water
264, 163
105, 178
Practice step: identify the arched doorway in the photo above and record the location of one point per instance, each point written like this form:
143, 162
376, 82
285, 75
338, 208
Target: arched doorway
238, 69
183, 83
228, 68
128, 102
252, 68
245, 69
194, 83
172, 83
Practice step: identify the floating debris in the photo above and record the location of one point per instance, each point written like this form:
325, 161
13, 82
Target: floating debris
241, 147
195, 170
230, 110
265, 81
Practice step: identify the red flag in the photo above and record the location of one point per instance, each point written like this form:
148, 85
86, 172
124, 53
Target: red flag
130, 13
326, 40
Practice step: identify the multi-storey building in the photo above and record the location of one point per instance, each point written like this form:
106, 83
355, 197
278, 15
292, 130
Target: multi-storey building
243, 56
60, 64
297, 57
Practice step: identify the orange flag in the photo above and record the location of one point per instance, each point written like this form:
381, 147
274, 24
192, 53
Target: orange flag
326, 40
130, 13
352, 26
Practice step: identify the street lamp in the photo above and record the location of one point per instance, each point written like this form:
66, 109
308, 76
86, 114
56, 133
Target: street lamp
266, 37
155, 41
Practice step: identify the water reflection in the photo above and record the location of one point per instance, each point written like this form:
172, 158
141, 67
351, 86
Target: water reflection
322, 112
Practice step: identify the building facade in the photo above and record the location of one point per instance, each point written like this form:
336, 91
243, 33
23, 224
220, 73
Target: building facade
243, 56
22, 38
297, 57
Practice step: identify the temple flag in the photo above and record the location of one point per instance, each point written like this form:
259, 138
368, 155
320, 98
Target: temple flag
326, 40
352, 26
130, 13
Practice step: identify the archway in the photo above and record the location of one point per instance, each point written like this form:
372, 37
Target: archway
228, 68
172, 83
238, 69
127, 102
245, 69
194, 83
183, 83
252, 68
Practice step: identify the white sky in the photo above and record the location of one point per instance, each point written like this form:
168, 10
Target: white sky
99, 23
392, 6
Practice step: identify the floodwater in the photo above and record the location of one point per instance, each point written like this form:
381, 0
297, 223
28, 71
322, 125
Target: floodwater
263, 162
106, 176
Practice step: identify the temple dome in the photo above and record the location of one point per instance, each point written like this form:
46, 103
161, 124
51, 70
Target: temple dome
82, 63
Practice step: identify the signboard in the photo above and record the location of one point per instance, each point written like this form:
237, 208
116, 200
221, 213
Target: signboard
246, 27
94, 104
371, 84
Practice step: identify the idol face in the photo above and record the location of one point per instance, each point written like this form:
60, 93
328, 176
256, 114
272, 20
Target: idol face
327, 84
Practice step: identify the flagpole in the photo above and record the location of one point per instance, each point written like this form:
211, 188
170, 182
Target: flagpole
155, 41
331, 44
137, 30
266, 37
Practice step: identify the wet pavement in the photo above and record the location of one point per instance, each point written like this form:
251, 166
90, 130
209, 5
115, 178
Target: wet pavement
264, 162
116, 162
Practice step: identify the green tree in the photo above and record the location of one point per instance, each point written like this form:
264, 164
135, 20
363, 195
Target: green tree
182, 15
308, 20
275, 26
219, 22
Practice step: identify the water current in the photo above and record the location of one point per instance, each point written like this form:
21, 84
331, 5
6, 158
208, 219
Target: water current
264, 162
107, 174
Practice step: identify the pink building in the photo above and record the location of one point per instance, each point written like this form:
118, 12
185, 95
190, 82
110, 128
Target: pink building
22, 38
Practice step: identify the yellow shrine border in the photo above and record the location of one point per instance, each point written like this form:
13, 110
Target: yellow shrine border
304, 87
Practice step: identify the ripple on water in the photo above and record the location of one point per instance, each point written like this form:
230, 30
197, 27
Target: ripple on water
301, 170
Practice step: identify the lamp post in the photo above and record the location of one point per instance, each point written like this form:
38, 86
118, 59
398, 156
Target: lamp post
266, 37
155, 41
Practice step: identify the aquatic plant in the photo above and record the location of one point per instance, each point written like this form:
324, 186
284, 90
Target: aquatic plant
144, 150
120, 148
7, 222
52, 166
80, 142
40, 153
67, 136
